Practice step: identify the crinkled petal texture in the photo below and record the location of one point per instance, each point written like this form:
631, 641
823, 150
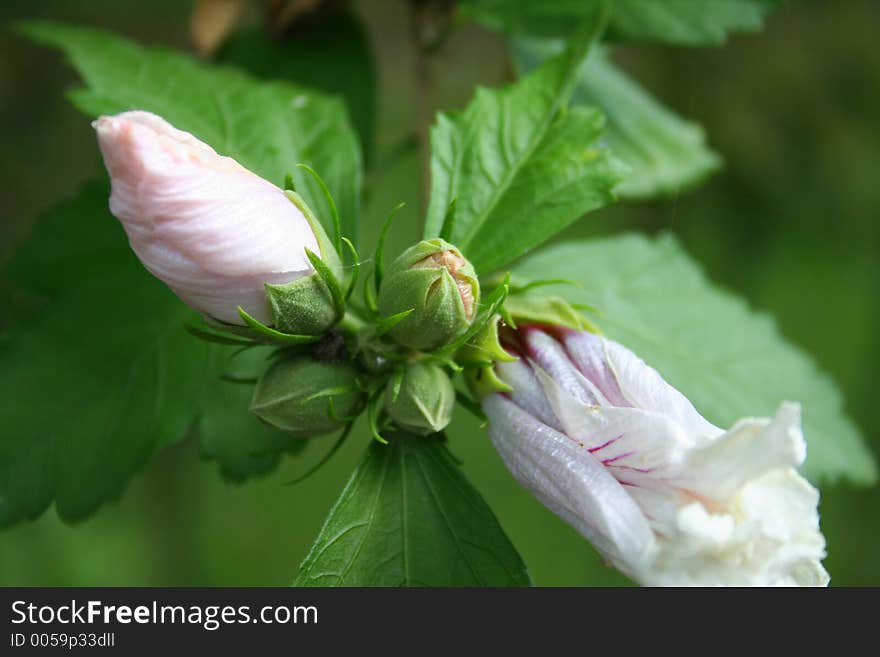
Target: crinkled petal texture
667, 497
213, 231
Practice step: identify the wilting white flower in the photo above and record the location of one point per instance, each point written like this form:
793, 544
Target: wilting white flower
668, 498
213, 231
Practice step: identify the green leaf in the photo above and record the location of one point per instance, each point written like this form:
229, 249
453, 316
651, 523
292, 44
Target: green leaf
679, 22
409, 517
100, 372
729, 360
228, 432
96, 369
688, 22
267, 127
518, 164
665, 152
327, 51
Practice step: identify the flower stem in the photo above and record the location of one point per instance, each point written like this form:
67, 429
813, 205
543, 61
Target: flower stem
351, 323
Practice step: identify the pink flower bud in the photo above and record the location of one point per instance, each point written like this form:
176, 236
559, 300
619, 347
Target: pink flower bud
213, 231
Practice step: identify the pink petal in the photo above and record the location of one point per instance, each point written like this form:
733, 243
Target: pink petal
210, 229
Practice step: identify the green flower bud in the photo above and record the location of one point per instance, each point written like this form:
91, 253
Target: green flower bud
307, 397
420, 398
439, 286
312, 304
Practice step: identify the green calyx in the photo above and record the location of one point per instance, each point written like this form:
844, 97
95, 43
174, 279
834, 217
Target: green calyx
420, 398
478, 357
549, 310
525, 305
437, 287
308, 397
313, 304
485, 347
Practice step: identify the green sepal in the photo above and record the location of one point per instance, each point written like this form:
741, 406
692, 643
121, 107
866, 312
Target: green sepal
254, 333
485, 347
243, 379
331, 281
355, 268
327, 250
441, 359
270, 335
482, 381
449, 220
471, 407
552, 310
217, 338
374, 404
370, 297
334, 213
335, 415
332, 391
379, 256
517, 288
372, 283
387, 323
420, 398
493, 305
339, 443
293, 395
395, 383
303, 306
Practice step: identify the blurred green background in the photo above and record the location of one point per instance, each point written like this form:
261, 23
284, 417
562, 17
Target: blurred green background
790, 223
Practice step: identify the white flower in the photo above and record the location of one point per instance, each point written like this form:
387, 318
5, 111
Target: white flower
668, 498
213, 231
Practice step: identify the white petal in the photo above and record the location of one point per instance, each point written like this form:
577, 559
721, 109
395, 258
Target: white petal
616, 369
589, 355
768, 536
571, 483
549, 354
641, 442
751, 448
782, 505
638, 448
527, 392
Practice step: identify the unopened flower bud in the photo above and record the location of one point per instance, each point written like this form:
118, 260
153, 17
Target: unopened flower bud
308, 397
213, 231
434, 281
421, 398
